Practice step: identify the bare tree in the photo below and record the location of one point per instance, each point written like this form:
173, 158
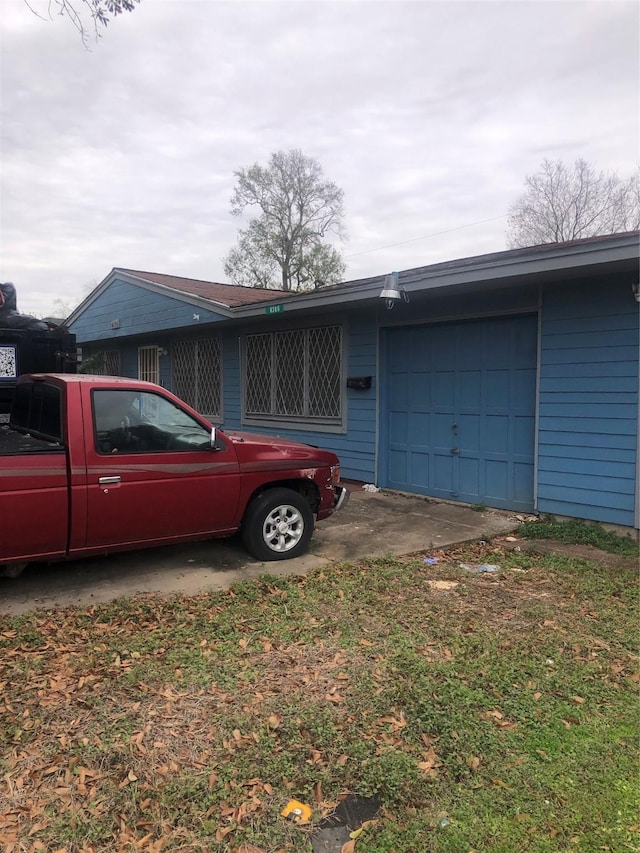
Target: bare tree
85, 15
283, 246
562, 203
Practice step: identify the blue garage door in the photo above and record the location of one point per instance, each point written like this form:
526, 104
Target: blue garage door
458, 411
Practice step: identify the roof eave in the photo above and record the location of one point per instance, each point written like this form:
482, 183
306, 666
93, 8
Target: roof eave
532, 262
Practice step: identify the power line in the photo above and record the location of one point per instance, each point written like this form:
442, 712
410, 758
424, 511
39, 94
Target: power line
426, 236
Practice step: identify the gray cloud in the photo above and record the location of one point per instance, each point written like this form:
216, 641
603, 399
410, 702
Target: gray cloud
428, 114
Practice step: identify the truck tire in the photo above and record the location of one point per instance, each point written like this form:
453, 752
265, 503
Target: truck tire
278, 525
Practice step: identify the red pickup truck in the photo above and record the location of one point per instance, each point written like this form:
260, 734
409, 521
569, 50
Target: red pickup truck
94, 464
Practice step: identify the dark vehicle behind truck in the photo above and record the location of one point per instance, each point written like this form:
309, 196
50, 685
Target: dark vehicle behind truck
29, 345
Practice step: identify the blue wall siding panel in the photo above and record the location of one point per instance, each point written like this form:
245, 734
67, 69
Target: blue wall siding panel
129, 361
231, 379
588, 414
139, 311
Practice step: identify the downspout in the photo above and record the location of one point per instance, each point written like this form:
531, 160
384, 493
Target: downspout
636, 522
376, 456
536, 441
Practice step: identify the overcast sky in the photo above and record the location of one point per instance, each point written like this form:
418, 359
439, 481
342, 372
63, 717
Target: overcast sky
427, 114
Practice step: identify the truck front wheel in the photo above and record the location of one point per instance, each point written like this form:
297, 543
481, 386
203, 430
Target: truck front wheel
278, 525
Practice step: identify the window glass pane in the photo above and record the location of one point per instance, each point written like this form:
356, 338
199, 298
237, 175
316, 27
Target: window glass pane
289, 370
37, 407
325, 349
258, 382
208, 377
141, 422
184, 371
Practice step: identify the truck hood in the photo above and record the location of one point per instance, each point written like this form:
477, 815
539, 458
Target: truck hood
254, 446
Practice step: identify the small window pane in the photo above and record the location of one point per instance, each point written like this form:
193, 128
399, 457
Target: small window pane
325, 346
289, 373
258, 375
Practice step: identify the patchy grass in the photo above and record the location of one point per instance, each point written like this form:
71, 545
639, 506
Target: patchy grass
489, 712
582, 533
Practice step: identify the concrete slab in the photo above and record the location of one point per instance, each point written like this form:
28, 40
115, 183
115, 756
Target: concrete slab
381, 523
371, 525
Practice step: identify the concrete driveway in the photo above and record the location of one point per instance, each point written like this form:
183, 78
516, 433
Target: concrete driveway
371, 525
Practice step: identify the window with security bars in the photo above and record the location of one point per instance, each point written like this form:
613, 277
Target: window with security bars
295, 374
149, 364
196, 375
105, 363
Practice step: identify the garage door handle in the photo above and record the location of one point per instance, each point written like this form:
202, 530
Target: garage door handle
455, 450
106, 481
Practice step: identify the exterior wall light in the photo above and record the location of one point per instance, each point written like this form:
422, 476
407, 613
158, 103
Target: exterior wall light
392, 292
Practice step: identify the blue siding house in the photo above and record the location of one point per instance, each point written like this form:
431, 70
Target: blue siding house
509, 379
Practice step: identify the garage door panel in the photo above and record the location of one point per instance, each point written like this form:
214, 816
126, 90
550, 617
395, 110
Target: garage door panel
471, 341
442, 348
468, 438
419, 469
442, 433
497, 479
400, 392
523, 389
524, 429
468, 391
496, 390
523, 482
443, 389
469, 473
526, 345
495, 436
420, 350
398, 468
442, 473
399, 427
418, 433
499, 349
420, 392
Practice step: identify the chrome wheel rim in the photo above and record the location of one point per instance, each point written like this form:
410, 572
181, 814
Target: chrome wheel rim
283, 528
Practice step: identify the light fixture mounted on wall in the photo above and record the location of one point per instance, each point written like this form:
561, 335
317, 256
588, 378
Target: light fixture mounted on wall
635, 287
392, 292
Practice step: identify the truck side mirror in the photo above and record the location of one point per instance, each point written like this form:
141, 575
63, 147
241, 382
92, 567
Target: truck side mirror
214, 439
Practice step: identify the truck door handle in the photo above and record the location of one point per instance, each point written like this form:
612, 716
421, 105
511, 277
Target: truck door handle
105, 481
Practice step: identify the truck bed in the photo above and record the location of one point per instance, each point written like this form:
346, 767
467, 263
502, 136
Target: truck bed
14, 443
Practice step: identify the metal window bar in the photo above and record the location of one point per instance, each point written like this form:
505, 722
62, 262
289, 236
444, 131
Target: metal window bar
111, 362
197, 367
295, 373
290, 373
259, 378
324, 372
149, 364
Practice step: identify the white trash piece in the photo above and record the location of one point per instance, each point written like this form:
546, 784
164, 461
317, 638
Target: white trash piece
369, 487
